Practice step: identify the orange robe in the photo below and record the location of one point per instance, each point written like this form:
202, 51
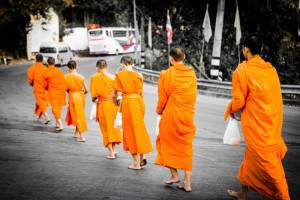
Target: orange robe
56, 89
76, 110
102, 87
177, 92
35, 76
256, 92
135, 135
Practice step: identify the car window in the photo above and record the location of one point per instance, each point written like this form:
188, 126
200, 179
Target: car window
63, 50
119, 33
95, 33
47, 50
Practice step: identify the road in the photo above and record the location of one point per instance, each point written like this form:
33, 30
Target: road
37, 163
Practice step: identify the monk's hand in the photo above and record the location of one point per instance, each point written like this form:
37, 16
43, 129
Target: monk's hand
227, 112
119, 100
94, 99
236, 116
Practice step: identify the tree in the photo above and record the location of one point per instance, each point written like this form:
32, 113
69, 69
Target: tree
15, 19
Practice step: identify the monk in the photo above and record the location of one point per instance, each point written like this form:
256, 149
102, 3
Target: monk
57, 91
256, 94
77, 89
36, 80
102, 92
135, 136
177, 92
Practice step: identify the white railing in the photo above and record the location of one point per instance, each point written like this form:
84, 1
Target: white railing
291, 93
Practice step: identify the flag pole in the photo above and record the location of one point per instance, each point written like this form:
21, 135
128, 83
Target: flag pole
135, 33
238, 47
168, 44
203, 43
202, 50
168, 55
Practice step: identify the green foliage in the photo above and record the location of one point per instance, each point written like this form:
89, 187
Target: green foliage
15, 22
274, 20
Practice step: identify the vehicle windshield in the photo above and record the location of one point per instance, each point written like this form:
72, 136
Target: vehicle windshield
47, 50
117, 34
95, 33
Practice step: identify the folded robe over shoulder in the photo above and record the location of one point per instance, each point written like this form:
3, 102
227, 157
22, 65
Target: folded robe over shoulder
256, 92
177, 91
76, 110
135, 135
35, 76
101, 86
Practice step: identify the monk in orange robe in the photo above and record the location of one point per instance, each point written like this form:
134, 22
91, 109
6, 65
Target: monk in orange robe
135, 136
35, 76
102, 92
256, 94
77, 89
177, 92
57, 91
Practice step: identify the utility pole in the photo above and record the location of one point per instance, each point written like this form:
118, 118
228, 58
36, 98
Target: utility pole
215, 61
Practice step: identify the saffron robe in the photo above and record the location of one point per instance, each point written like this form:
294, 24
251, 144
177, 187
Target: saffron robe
35, 76
76, 109
101, 86
135, 135
177, 92
256, 93
56, 89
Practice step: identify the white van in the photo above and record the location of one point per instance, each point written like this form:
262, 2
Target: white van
112, 40
59, 51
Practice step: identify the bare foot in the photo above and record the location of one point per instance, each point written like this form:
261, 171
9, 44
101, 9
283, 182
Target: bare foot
81, 139
134, 167
237, 195
185, 187
111, 157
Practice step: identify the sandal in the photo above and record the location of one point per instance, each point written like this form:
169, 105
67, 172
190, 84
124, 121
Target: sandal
110, 157
169, 182
80, 140
143, 162
59, 129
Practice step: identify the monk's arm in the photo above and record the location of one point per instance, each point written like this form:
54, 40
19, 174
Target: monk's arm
117, 90
238, 99
162, 97
30, 77
93, 90
85, 88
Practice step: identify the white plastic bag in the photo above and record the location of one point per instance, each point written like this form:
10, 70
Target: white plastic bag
157, 124
118, 120
232, 133
93, 111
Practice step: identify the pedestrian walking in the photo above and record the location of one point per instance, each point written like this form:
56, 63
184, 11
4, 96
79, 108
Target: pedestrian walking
136, 140
77, 89
35, 77
177, 92
256, 94
102, 92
